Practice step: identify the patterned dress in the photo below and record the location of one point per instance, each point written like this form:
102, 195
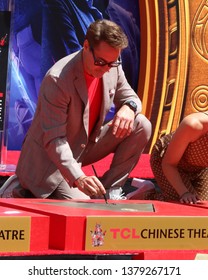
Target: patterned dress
193, 168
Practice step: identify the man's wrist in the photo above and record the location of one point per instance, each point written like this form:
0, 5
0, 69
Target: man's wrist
132, 105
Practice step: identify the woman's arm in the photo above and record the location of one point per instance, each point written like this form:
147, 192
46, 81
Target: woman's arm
190, 129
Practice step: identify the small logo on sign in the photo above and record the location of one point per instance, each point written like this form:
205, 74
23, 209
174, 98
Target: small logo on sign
97, 236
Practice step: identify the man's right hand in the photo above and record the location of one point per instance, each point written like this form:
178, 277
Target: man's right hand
90, 185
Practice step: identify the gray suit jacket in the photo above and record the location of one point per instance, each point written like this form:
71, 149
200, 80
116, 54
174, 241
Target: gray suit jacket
58, 134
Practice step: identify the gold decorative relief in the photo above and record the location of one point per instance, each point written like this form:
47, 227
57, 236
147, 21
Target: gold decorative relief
173, 70
199, 98
200, 30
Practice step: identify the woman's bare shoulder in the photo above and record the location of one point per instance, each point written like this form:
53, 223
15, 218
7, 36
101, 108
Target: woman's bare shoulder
196, 123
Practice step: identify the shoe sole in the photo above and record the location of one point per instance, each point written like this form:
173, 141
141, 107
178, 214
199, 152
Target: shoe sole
8, 186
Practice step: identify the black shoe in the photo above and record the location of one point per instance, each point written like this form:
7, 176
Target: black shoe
12, 189
6, 191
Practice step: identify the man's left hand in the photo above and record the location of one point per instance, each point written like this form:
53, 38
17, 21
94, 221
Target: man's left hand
123, 122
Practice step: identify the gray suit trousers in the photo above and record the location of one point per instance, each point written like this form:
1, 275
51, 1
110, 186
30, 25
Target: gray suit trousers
127, 152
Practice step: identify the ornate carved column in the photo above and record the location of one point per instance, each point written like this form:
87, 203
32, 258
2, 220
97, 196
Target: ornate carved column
174, 60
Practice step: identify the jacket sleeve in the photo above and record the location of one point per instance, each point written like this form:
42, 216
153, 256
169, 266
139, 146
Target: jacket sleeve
124, 92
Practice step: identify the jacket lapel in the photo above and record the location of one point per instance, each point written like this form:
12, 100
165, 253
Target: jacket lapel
108, 94
81, 88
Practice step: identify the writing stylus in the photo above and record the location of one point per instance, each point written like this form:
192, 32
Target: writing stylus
106, 201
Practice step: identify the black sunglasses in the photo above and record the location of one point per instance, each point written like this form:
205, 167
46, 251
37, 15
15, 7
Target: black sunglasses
101, 62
